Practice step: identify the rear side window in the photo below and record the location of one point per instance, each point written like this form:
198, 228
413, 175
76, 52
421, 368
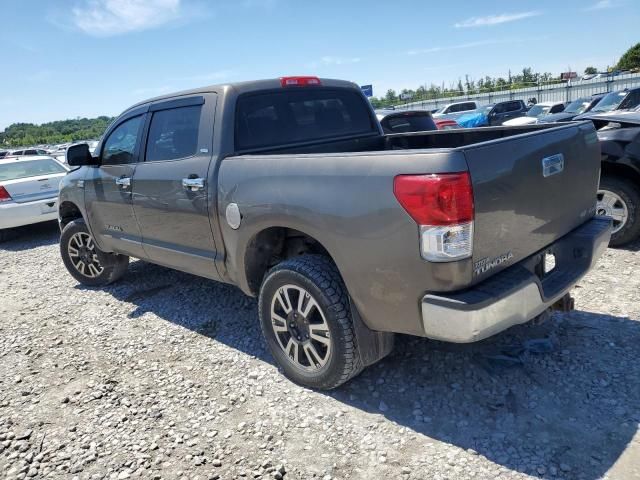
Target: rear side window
29, 168
513, 106
173, 133
302, 115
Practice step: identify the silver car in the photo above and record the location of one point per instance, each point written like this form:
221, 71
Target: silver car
28, 191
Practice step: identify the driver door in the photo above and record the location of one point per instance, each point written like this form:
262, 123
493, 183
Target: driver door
108, 189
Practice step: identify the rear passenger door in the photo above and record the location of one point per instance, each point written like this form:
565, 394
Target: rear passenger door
171, 187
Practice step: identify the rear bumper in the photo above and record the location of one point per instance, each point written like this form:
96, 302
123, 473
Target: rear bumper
517, 294
13, 214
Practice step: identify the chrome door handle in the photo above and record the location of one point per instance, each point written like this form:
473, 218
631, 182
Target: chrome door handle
193, 184
124, 182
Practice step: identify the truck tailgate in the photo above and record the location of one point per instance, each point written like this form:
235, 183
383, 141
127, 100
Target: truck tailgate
530, 190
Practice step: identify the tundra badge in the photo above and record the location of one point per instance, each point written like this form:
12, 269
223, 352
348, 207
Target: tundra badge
552, 165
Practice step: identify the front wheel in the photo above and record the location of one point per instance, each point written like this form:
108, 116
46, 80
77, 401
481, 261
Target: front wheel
306, 321
84, 261
620, 199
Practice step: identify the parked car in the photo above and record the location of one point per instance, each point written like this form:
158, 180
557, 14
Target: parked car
453, 111
28, 191
619, 192
627, 99
493, 114
575, 108
536, 113
402, 121
289, 189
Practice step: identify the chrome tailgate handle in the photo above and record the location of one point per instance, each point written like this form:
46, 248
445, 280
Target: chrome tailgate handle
124, 182
193, 184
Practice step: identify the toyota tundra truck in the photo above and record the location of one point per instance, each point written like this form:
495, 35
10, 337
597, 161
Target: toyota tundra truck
289, 189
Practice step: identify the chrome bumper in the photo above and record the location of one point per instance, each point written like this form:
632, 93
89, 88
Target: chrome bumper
517, 294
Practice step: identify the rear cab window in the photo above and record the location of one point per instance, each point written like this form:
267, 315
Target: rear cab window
284, 117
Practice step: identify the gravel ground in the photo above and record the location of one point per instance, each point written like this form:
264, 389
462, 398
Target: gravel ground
165, 375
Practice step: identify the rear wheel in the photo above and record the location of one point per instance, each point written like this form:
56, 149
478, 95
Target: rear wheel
306, 321
619, 199
84, 261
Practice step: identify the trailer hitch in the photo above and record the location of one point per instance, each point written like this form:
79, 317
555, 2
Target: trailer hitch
564, 304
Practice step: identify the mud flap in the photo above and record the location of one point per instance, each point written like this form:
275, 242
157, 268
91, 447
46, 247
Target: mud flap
373, 346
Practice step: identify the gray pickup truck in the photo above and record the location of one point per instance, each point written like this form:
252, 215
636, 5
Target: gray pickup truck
288, 189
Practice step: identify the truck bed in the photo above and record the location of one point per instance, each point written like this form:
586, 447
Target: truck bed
341, 193
408, 141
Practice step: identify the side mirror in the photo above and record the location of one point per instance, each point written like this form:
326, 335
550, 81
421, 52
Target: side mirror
79, 155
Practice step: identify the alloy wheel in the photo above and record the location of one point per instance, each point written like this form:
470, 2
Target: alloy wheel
83, 255
300, 327
612, 205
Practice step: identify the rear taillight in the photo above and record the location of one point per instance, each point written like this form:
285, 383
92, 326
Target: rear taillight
442, 205
299, 81
4, 195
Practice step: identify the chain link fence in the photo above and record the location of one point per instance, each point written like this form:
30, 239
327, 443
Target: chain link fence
565, 92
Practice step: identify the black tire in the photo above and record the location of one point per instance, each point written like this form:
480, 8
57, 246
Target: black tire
629, 192
318, 276
113, 265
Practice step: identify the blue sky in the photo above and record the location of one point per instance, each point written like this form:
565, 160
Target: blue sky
68, 58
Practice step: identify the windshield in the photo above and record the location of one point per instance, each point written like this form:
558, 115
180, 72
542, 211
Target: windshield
29, 168
538, 110
578, 106
610, 102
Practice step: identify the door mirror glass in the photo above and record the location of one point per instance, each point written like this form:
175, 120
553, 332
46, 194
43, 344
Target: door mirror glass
79, 155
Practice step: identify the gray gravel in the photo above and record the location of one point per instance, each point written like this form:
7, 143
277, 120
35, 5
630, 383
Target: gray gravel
165, 375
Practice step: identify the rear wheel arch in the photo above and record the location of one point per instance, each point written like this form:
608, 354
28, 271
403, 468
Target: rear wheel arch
272, 245
618, 169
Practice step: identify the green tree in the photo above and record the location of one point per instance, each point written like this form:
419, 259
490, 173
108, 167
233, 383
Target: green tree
630, 59
25, 134
391, 96
590, 71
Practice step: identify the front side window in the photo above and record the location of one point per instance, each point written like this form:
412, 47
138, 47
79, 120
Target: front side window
173, 133
513, 106
632, 100
121, 143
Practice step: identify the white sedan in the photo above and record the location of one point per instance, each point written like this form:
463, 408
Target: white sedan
28, 191
535, 113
